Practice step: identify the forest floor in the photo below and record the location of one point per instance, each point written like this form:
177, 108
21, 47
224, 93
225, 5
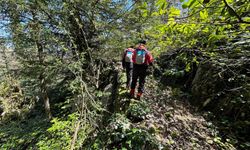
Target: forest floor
165, 115
175, 123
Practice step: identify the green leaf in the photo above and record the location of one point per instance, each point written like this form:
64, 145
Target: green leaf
190, 4
162, 11
145, 13
205, 30
185, 5
174, 12
204, 14
188, 67
162, 4
230, 1
193, 3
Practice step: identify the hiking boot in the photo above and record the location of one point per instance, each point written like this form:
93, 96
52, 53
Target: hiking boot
132, 93
139, 94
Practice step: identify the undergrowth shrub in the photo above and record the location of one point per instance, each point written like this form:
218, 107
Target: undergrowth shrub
119, 134
59, 135
12, 100
137, 111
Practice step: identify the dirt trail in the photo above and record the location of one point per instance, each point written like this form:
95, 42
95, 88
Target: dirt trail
175, 123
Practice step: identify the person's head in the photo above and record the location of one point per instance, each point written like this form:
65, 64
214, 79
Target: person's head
142, 42
131, 46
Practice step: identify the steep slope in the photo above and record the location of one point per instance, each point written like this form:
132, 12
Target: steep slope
176, 123
162, 119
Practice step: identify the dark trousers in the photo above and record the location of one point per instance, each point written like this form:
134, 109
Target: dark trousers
139, 72
129, 72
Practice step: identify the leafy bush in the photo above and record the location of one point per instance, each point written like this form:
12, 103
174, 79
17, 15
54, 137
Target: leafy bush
219, 83
22, 135
179, 66
141, 139
119, 134
12, 99
60, 134
138, 111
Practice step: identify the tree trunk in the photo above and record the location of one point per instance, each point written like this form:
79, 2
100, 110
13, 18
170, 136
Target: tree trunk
43, 87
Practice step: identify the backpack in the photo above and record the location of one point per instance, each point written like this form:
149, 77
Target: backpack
140, 56
128, 56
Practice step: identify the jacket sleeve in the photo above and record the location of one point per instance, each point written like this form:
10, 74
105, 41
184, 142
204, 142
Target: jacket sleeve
149, 58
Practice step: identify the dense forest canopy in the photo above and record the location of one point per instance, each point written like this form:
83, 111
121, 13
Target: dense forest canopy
61, 81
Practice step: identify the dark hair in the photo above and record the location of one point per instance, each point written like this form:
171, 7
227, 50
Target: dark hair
142, 42
131, 46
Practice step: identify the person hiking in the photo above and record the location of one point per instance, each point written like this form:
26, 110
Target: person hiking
127, 64
142, 58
